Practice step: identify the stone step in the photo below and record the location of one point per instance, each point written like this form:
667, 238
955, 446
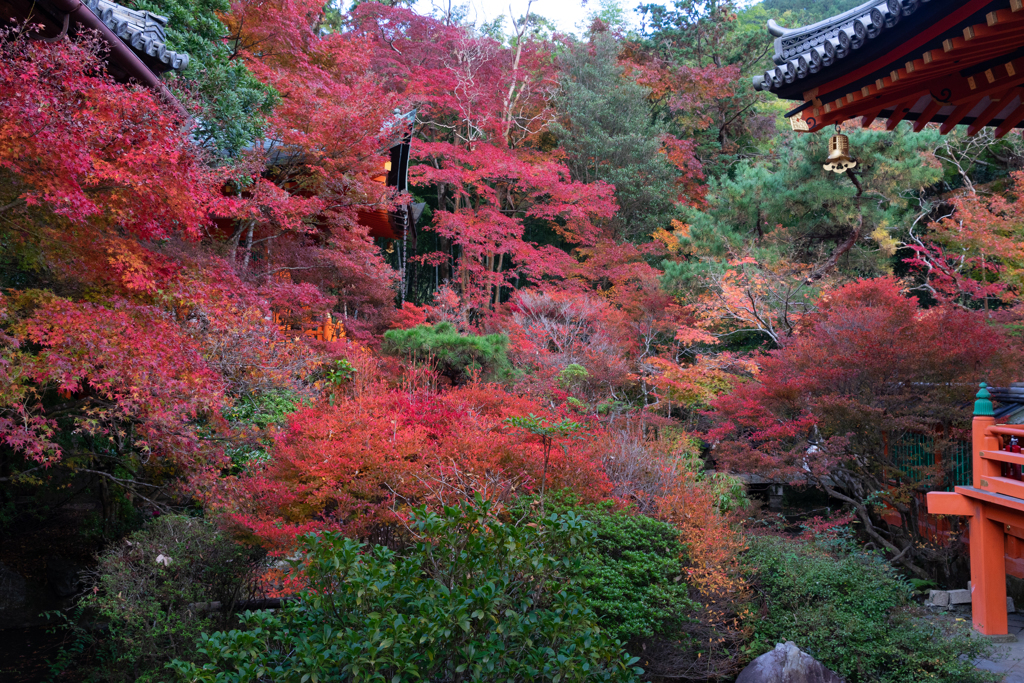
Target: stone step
958, 597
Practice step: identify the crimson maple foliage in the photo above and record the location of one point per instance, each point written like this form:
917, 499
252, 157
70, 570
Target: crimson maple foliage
869, 355
868, 367
483, 108
358, 465
975, 252
74, 142
295, 212
164, 270
90, 168
122, 374
106, 200
550, 331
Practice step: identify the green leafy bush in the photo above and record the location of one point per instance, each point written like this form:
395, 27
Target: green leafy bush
851, 611
473, 598
633, 574
263, 409
572, 376
456, 356
144, 590
258, 412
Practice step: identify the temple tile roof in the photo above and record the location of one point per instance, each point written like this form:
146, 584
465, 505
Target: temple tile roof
802, 52
142, 31
1009, 402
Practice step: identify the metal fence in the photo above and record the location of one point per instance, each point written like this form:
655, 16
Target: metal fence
914, 455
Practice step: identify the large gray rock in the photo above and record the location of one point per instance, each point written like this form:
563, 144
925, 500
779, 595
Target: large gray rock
63, 576
787, 664
13, 591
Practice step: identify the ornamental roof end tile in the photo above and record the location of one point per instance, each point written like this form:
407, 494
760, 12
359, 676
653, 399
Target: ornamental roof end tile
800, 52
142, 31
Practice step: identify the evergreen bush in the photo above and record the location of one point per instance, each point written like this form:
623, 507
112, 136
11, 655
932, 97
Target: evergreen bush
851, 611
147, 595
633, 574
474, 598
456, 356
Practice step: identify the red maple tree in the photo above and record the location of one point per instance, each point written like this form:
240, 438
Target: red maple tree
867, 368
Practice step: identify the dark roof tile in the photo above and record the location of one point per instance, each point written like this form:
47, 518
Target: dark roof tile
800, 52
142, 31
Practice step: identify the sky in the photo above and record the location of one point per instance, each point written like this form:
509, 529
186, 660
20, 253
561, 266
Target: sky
569, 15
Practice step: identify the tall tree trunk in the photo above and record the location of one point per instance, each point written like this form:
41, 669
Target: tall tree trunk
497, 287
248, 244
270, 241
235, 239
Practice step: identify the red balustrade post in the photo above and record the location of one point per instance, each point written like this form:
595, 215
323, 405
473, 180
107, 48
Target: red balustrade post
988, 561
982, 439
988, 574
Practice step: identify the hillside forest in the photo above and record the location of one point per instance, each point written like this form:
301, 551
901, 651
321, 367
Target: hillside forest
526, 439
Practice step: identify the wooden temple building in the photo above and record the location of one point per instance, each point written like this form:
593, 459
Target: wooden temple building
395, 224
949, 62
138, 52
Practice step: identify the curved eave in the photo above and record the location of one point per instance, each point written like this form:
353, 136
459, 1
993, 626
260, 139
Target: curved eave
947, 63
870, 36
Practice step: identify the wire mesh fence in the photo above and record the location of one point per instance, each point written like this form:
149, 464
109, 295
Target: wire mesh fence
915, 455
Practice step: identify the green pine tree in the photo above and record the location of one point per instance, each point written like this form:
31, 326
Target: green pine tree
609, 134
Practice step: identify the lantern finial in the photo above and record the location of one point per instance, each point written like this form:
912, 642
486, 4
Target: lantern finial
983, 406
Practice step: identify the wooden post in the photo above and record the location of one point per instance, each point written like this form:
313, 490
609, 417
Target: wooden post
988, 574
988, 561
327, 328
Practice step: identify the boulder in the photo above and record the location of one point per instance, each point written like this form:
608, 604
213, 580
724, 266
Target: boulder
13, 591
940, 598
787, 664
63, 576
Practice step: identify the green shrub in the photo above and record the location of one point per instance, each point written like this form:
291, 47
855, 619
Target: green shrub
851, 611
264, 409
474, 598
145, 603
258, 411
631, 572
456, 356
633, 575
573, 376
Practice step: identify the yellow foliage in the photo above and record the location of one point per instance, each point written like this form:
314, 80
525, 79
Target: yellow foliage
671, 238
886, 242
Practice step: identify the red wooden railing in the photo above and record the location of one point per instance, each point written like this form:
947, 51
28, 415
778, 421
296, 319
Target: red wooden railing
994, 503
325, 329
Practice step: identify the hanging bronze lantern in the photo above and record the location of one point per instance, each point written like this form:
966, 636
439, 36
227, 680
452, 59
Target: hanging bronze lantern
839, 160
